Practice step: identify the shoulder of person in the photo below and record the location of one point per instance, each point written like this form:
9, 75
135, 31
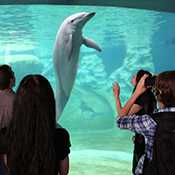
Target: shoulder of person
62, 135
62, 131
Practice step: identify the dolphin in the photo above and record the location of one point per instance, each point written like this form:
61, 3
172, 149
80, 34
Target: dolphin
66, 55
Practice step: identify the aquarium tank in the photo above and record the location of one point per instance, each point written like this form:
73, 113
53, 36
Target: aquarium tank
130, 39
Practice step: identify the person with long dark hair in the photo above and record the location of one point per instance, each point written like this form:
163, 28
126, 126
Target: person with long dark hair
144, 104
36, 146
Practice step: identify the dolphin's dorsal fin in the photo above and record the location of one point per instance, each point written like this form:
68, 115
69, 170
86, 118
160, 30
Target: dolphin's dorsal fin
69, 46
90, 43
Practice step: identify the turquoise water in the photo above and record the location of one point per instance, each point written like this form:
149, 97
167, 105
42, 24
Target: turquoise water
130, 39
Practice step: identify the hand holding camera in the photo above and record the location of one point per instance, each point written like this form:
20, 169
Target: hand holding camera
145, 82
141, 88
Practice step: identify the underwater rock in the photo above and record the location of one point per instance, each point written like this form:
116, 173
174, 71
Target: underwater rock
91, 72
10, 59
90, 110
138, 50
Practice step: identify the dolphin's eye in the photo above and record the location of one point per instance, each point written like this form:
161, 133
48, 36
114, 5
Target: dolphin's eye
72, 21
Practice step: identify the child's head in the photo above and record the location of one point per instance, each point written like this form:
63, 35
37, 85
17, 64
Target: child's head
140, 73
165, 88
7, 77
138, 76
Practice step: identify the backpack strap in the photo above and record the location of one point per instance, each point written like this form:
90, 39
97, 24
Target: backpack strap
163, 161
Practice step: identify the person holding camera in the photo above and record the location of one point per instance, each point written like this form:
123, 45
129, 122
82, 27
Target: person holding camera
158, 128
144, 104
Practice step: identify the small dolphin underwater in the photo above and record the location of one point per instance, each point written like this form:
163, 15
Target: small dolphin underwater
66, 55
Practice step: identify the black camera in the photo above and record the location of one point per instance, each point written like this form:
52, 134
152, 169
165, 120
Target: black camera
150, 81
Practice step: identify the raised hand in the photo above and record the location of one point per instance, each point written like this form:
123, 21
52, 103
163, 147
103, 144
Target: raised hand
116, 89
141, 85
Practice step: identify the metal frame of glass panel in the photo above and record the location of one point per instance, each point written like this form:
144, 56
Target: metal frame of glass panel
159, 5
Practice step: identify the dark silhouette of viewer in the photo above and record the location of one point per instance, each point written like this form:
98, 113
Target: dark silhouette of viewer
36, 146
7, 96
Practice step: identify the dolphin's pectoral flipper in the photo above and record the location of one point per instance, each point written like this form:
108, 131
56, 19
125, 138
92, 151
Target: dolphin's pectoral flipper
69, 46
90, 43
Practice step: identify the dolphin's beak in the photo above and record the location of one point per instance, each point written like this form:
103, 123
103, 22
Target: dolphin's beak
87, 17
92, 14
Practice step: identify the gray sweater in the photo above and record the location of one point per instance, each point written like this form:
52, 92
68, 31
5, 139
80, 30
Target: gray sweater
6, 107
